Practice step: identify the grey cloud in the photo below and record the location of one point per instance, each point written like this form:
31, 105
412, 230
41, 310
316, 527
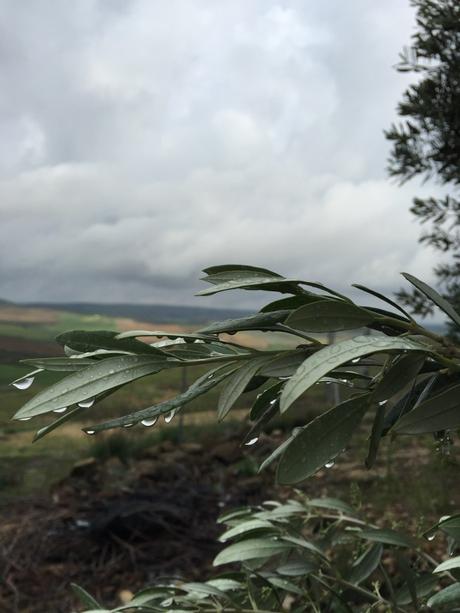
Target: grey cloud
145, 140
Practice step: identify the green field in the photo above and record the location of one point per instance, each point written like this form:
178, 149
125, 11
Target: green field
64, 321
27, 467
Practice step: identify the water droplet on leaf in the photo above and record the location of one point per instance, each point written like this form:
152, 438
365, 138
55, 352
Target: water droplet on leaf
329, 464
90, 432
86, 404
169, 416
149, 422
60, 410
252, 441
23, 384
24, 418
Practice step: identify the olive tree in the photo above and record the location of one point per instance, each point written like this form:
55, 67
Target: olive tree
400, 373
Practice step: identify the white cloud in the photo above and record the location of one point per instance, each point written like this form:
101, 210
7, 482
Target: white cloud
146, 140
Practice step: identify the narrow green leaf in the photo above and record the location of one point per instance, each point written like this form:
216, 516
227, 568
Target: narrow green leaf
204, 589
297, 568
366, 564
57, 422
201, 386
394, 304
245, 527
447, 597
279, 450
84, 597
448, 565
251, 549
162, 334
304, 544
332, 356
423, 584
84, 341
385, 536
241, 269
286, 364
292, 302
330, 316
271, 284
440, 412
88, 383
69, 414
409, 577
60, 364
321, 440
285, 585
404, 369
265, 400
237, 383
225, 584
253, 322
451, 526
234, 514
376, 435
433, 295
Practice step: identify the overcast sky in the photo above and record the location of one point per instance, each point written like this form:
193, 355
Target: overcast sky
142, 140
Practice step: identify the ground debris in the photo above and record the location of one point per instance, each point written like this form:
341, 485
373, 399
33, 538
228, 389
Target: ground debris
110, 526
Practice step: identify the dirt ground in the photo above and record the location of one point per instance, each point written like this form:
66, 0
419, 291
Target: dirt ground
113, 528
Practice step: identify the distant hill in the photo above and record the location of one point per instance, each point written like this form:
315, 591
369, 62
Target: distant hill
154, 313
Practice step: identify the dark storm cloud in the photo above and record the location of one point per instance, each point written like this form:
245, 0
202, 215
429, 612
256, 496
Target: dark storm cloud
144, 140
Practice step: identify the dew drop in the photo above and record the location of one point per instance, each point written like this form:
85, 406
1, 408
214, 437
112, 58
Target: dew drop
90, 432
149, 422
382, 402
329, 464
355, 361
60, 410
169, 416
252, 441
128, 425
24, 418
430, 537
23, 384
86, 404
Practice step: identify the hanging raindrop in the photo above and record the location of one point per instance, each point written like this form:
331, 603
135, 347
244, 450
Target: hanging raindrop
60, 410
149, 422
431, 536
329, 464
382, 403
252, 441
355, 361
86, 404
90, 432
128, 425
169, 416
23, 384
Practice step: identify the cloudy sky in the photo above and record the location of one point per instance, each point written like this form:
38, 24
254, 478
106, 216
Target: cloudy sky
145, 139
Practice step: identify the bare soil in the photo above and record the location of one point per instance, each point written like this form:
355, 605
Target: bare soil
114, 528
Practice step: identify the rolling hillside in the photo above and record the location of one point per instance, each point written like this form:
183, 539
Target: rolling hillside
152, 313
